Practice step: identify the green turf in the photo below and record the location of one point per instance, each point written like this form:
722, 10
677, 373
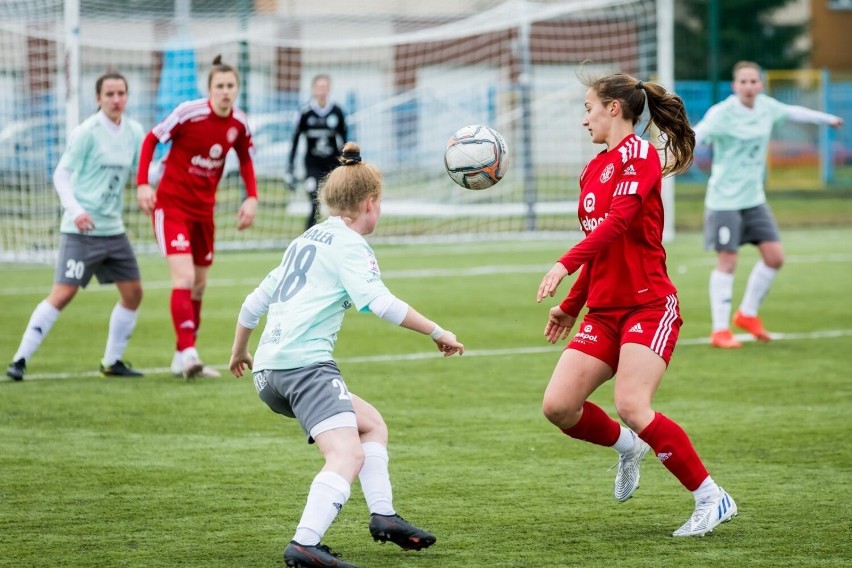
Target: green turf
161, 472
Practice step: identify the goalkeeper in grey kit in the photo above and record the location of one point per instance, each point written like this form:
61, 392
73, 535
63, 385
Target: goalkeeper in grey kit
324, 126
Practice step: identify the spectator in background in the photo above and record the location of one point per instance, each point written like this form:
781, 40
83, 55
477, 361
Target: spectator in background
324, 126
90, 180
736, 211
202, 132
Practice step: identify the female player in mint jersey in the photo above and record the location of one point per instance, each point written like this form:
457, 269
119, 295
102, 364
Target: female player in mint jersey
327, 270
323, 125
633, 317
739, 129
201, 132
90, 180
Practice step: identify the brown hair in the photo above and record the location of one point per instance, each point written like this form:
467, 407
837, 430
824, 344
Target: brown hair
745, 65
219, 67
99, 83
346, 186
667, 111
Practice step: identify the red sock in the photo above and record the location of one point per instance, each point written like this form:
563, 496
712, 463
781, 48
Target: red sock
182, 318
675, 451
196, 310
595, 426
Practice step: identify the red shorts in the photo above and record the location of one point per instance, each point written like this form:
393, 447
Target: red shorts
177, 234
604, 330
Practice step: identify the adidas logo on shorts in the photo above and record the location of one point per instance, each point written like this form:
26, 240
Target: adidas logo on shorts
635, 329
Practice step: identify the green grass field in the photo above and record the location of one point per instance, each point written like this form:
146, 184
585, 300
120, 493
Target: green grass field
163, 472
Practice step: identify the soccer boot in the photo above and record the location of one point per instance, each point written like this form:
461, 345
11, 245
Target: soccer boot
191, 365
394, 528
627, 478
119, 369
753, 325
724, 339
16, 370
317, 556
206, 372
709, 514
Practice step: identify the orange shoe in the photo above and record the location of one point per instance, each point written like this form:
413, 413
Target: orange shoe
724, 339
753, 325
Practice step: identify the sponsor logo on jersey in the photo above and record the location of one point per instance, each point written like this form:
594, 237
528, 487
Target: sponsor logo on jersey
232, 134
180, 242
331, 121
591, 223
589, 202
606, 175
636, 329
629, 171
207, 163
216, 151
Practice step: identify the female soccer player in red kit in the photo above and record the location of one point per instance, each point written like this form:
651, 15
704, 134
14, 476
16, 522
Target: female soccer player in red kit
633, 317
201, 132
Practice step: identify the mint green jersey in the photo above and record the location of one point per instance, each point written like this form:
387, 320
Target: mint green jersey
101, 158
324, 272
740, 140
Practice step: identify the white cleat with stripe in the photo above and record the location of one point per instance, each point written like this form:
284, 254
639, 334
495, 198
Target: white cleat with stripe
709, 514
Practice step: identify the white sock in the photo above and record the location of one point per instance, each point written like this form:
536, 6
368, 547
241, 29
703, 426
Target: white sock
43, 317
375, 479
121, 324
626, 441
759, 282
329, 492
721, 291
706, 490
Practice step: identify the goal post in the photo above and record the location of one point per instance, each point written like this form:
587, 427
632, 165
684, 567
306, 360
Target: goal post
406, 74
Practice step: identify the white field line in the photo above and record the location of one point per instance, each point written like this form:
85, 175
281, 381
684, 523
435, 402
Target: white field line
404, 357
473, 271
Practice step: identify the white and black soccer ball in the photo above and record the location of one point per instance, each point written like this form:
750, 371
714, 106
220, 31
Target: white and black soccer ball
476, 157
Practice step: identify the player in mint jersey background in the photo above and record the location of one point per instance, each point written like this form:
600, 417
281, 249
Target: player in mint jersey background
633, 317
327, 270
736, 211
90, 180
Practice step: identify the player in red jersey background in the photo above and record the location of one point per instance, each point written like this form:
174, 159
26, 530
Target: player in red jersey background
201, 133
633, 317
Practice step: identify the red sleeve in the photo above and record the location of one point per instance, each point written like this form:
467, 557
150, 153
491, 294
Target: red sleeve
616, 223
576, 298
247, 173
146, 154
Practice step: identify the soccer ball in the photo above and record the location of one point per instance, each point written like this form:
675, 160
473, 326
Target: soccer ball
476, 157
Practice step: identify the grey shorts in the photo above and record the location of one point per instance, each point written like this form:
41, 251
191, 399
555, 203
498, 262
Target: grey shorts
309, 394
728, 230
111, 259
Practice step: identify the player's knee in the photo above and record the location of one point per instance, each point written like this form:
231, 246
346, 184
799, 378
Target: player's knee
630, 410
560, 413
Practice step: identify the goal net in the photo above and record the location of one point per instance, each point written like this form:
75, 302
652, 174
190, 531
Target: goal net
407, 75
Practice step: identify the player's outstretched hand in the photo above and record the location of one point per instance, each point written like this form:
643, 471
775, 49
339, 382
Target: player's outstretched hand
559, 325
448, 344
239, 362
550, 281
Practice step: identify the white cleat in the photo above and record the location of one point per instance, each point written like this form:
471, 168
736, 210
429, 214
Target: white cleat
191, 365
709, 514
206, 372
627, 478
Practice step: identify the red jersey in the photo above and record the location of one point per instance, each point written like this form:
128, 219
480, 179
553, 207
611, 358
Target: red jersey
200, 141
621, 213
